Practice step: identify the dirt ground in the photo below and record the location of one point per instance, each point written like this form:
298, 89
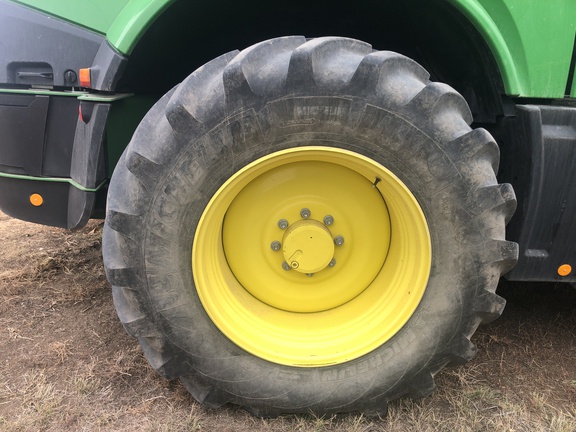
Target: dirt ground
67, 364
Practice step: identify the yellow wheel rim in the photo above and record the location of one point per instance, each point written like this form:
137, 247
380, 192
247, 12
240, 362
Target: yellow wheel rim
311, 256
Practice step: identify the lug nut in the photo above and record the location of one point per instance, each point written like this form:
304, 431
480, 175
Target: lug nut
328, 220
305, 213
339, 240
309, 274
275, 245
282, 224
285, 266
332, 263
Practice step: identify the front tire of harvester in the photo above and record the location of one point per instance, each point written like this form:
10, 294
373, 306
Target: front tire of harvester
307, 226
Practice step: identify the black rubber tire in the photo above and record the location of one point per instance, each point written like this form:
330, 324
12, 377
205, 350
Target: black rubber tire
227, 114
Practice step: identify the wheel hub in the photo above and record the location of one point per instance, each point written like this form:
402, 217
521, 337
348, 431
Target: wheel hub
308, 246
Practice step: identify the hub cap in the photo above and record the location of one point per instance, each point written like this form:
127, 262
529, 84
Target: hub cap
308, 246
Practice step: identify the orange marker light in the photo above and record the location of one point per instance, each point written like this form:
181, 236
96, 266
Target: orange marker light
36, 200
564, 269
84, 77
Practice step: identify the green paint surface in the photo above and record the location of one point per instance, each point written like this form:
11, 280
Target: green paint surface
531, 40
97, 15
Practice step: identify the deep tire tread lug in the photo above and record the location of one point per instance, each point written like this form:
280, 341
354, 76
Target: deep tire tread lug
439, 96
130, 311
124, 277
143, 168
181, 120
123, 223
489, 306
501, 253
464, 351
189, 101
310, 67
499, 198
242, 76
422, 385
476, 144
153, 349
202, 392
383, 71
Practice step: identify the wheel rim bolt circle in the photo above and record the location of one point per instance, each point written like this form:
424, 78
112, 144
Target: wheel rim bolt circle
328, 220
283, 224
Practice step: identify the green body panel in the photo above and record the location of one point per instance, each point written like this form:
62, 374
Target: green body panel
123, 21
532, 41
97, 15
133, 21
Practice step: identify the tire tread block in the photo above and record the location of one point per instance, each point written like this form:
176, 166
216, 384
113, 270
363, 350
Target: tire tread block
388, 73
187, 108
325, 63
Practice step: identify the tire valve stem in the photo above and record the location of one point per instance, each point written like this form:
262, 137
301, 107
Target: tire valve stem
275, 245
378, 180
339, 240
285, 266
305, 213
282, 224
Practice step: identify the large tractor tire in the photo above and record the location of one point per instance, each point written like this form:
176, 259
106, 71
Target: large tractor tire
307, 226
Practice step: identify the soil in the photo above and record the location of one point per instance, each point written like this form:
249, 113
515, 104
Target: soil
67, 364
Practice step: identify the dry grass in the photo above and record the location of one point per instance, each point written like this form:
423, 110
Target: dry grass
68, 365
86, 402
